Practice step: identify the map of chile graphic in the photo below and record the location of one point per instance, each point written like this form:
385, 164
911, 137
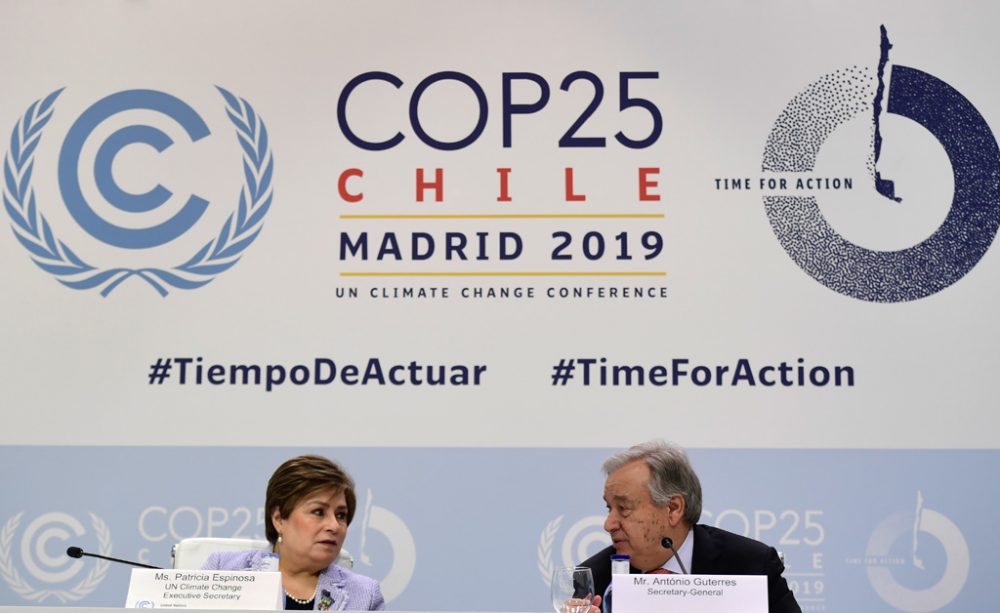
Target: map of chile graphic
938, 261
55, 256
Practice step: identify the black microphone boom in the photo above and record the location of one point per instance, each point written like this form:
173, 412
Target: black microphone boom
668, 543
76, 552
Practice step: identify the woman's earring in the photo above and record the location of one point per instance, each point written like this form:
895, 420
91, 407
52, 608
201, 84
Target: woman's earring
279, 538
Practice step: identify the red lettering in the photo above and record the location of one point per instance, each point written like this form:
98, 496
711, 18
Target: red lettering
342, 185
571, 196
437, 185
504, 192
646, 183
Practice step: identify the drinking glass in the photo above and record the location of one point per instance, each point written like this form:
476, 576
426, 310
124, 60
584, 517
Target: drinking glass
572, 589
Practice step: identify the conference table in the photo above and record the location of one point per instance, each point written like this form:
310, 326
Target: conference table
72, 609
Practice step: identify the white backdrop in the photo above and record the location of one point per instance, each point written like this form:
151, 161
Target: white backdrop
77, 366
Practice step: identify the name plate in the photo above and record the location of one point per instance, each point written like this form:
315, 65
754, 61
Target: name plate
204, 589
689, 593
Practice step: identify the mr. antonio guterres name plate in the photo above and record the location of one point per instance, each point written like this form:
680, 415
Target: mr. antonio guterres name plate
690, 593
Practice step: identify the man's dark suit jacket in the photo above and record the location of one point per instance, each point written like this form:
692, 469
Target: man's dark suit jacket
717, 552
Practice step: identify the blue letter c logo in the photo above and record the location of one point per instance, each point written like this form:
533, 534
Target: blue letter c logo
69, 159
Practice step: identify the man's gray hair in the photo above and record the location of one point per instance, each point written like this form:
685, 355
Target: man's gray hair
670, 471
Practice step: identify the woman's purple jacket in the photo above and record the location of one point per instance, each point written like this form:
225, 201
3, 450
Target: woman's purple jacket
338, 589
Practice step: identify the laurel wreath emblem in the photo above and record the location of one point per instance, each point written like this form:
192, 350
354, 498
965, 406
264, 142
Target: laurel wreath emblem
548, 537
218, 255
24, 589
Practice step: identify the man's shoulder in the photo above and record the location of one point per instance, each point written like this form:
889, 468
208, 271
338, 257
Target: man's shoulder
718, 551
730, 540
600, 559
600, 567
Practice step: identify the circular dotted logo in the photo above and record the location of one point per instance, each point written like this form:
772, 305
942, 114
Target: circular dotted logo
41, 550
919, 270
120, 213
900, 542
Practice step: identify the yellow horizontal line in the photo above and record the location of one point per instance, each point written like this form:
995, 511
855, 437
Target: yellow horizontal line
517, 216
504, 274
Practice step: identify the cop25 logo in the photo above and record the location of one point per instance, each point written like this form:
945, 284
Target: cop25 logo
119, 222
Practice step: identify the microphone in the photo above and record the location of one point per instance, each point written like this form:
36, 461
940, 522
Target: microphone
76, 552
668, 543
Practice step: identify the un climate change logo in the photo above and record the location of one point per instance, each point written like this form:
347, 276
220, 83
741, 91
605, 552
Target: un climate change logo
582, 540
79, 188
921, 269
42, 553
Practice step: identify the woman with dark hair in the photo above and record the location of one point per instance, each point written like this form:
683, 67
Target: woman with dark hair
310, 502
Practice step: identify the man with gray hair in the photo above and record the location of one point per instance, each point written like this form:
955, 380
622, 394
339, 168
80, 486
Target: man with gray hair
654, 503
